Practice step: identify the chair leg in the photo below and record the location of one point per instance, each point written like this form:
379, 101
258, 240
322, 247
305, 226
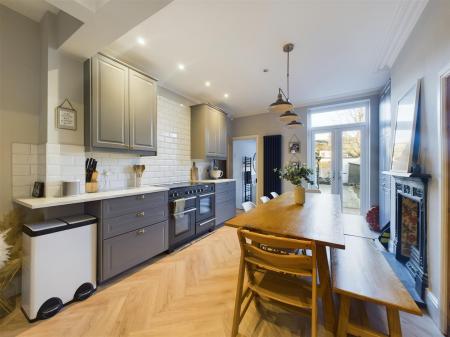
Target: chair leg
344, 315
238, 301
314, 320
395, 328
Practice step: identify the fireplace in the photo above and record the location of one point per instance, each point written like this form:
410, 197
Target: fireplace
410, 241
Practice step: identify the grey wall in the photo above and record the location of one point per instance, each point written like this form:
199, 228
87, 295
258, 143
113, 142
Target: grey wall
19, 91
269, 124
425, 55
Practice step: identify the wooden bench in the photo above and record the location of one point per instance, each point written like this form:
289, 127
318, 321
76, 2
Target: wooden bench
361, 272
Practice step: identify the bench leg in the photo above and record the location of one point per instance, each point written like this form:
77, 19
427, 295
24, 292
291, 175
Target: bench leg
325, 288
395, 328
344, 315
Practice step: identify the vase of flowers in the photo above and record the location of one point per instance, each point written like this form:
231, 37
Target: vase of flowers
296, 174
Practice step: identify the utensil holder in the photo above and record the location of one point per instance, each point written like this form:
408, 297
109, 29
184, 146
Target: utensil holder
91, 187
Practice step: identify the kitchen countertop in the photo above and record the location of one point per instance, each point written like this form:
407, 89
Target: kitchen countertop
35, 203
215, 181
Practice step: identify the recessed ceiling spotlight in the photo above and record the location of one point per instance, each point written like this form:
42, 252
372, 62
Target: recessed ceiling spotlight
226, 95
141, 40
208, 83
181, 104
181, 66
265, 70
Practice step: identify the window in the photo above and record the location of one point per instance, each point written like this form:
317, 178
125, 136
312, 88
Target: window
338, 116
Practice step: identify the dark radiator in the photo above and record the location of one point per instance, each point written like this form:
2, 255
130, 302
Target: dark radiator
272, 160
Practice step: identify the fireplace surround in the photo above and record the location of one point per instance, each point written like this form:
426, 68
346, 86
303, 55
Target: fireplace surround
410, 240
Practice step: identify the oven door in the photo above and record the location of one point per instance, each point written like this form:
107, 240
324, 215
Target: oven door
181, 227
206, 208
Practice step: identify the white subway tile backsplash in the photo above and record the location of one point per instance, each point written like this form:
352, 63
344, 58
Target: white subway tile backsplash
54, 163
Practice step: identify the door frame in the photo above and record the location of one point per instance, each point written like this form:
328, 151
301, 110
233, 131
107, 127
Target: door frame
444, 75
337, 129
259, 162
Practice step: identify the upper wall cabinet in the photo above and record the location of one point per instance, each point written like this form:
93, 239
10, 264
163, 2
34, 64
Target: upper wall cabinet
120, 107
208, 132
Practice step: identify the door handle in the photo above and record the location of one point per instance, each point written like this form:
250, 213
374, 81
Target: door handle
184, 212
140, 231
140, 214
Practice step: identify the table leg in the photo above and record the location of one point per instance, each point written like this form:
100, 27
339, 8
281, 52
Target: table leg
325, 288
395, 328
344, 314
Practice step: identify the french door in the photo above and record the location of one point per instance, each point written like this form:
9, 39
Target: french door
339, 160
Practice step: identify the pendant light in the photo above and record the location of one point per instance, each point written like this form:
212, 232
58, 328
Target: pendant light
294, 124
282, 103
288, 116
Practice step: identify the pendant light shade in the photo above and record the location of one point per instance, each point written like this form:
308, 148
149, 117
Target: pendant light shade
280, 105
288, 116
294, 124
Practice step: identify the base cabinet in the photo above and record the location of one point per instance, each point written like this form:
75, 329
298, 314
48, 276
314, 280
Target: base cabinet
225, 202
127, 250
131, 230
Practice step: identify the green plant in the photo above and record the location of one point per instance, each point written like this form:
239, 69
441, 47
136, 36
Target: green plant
295, 174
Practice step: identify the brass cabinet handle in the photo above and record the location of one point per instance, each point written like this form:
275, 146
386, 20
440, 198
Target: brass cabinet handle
140, 214
140, 231
140, 197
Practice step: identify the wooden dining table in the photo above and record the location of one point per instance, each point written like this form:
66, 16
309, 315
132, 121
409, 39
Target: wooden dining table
320, 219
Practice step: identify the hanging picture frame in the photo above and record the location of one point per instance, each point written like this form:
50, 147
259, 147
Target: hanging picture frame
66, 116
294, 145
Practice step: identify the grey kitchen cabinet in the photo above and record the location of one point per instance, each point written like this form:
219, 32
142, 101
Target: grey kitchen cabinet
209, 132
131, 230
225, 201
120, 107
142, 99
127, 250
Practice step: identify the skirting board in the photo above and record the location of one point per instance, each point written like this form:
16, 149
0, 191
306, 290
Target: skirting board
433, 308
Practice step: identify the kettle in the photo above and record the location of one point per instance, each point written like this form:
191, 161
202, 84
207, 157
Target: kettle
216, 174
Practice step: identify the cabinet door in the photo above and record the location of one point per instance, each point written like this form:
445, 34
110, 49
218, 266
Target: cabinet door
211, 132
222, 135
142, 101
110, 104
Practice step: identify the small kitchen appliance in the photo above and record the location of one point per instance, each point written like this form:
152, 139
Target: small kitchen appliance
59, 264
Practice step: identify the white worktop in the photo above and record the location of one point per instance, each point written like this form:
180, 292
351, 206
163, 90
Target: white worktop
35, 203
214, 181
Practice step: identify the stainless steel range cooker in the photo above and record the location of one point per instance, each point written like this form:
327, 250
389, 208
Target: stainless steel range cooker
191, 211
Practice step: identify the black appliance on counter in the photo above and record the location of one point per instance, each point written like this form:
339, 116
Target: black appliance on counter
191, 212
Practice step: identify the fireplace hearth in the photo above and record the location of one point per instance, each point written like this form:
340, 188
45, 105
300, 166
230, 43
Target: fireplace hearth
410, 240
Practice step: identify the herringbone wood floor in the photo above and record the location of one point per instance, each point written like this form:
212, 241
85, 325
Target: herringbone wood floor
187, 293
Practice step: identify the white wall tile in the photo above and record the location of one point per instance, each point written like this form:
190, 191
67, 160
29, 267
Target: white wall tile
54, 163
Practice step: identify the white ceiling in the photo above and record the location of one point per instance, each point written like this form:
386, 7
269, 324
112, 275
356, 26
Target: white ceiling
33, 9
340, 47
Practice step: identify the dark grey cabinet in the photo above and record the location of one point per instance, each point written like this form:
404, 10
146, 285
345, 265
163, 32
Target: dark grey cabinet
127, 250
131, 230
209, 132
225, 201
120, 107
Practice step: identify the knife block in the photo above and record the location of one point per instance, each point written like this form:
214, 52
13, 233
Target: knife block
92, 186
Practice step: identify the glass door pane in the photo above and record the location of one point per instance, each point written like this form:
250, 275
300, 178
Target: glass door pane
323, 161
350, 173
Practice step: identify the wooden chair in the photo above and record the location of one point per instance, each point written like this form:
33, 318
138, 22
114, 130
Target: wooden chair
264, 199
274, 194
248, 206
287, 278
